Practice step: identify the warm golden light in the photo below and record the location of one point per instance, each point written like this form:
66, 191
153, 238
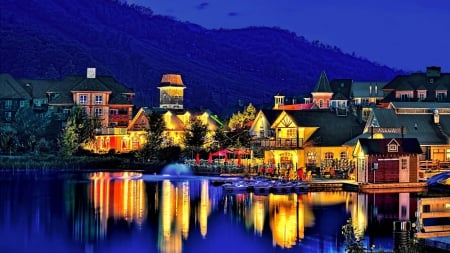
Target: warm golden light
119, 195
259, 213
283, 220
204, 208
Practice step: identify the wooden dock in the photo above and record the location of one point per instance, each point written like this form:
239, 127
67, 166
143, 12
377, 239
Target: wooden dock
393, 187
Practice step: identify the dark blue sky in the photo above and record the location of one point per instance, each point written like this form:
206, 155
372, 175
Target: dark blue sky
405, 34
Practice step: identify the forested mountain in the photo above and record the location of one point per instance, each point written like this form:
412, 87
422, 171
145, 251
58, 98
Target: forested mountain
55, 38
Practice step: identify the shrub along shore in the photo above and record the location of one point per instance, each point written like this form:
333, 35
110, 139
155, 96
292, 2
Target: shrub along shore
75, 163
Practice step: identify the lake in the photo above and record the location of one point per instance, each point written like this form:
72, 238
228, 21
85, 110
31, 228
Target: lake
134, 212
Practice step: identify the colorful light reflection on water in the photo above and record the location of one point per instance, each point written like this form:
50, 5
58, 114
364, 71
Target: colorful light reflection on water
132, 212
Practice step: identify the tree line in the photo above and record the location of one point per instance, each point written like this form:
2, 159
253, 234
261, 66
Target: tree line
41, 133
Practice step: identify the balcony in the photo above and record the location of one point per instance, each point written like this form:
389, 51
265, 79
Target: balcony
119, 117
111, 131
280, 143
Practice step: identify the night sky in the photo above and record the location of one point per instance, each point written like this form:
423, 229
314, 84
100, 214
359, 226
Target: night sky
404, 34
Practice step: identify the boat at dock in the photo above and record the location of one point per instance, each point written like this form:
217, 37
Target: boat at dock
265, 186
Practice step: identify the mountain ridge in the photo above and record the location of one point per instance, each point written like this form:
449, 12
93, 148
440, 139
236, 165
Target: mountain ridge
221, 68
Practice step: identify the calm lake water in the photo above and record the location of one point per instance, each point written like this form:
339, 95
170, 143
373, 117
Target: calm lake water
133, 212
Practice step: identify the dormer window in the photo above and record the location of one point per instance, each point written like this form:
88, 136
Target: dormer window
422, 96
441, 95
392, 146
431, 80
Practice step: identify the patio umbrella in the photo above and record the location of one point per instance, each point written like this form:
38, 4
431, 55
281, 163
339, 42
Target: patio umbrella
197, 159
222, 152
239, 162
210, 158
226, 158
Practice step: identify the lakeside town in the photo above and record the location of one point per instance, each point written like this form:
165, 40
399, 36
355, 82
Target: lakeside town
373, 136
370, 132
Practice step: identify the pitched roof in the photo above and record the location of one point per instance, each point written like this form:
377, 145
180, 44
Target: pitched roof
296, 106
64, 88
271, 115
341, 89
384, 118
11, 89
171, 80
38, 88
342, 129
380, 146
430, 81
363, 89
420, 126
322, 84
90, 84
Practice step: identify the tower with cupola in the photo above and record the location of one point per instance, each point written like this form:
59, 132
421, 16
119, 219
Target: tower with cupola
171, 91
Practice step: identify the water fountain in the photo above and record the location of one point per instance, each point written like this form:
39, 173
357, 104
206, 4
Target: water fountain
177, 169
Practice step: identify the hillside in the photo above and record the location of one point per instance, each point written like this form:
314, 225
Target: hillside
55, 38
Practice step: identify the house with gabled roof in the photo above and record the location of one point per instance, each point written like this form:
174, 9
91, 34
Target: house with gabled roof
175, 116
429, 123
387, 160
307, 138
431, 86
100, 96
261, 125
12, 97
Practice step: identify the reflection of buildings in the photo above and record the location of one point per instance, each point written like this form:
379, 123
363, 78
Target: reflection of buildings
373, 215
283, 219
175, 210
433, 217
111, 195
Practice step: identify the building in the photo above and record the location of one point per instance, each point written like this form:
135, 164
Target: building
431, 86
100, 96
306, 138
175, 116
13, 97
387, 160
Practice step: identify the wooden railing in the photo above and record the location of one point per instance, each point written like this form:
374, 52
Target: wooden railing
279, 143
112, 131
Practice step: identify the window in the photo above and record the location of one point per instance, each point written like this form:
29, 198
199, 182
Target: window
392, 147
440, 96
83, 99
404, 164
343, 155
291, 132
98, 112
329, 156
447, 154
113, 111
422, 96
404, 97
8, 104
98, 100
311, 158
8, 116
320, 103
22, 103
66, 111
365, 101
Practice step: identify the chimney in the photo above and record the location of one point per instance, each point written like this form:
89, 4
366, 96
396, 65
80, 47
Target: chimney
370, 90
433, 71
90, 73
436, 116
376, 89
